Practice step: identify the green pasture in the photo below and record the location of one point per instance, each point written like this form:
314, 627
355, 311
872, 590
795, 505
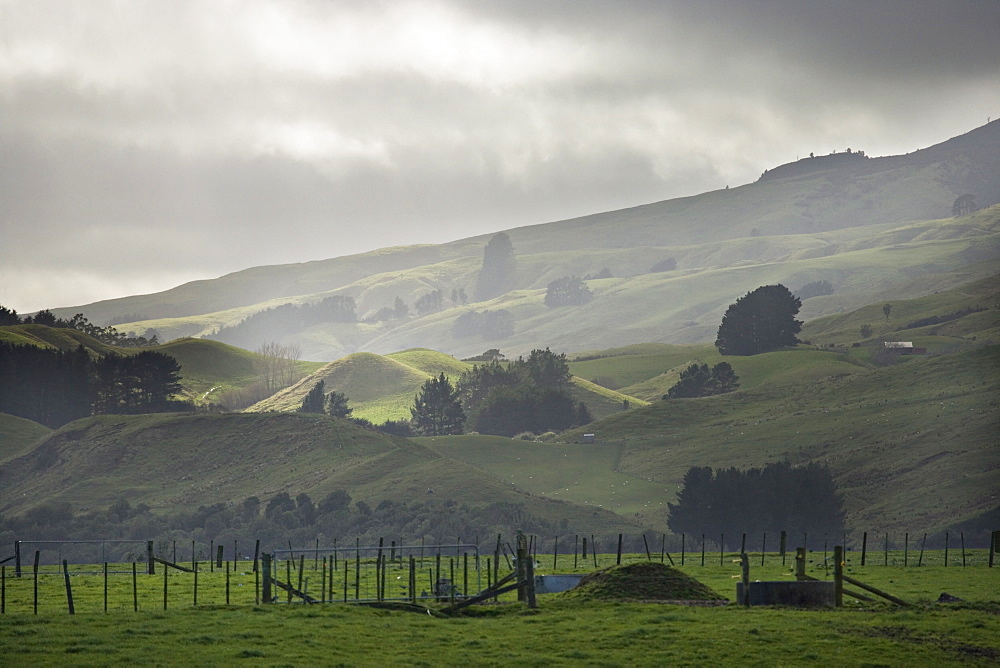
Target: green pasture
563, 630
577, 472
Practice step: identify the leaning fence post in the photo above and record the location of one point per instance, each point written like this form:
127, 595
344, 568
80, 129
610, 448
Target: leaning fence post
69, 589
864, 547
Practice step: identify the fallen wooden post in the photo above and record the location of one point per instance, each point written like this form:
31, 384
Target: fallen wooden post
877, 592
173, 565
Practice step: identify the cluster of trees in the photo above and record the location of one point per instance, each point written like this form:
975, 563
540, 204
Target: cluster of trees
318, 401
54, 387
108, 335
280, 321
814, 289
700, 381
567, 291
489, 325
526, 395
777, 497
760, 321
430, 302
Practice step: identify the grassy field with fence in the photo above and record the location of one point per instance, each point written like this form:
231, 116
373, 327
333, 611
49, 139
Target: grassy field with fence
199, 627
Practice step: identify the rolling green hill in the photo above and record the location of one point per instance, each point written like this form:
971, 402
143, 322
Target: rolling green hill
173, 462
873, 227
382, 388
17, 435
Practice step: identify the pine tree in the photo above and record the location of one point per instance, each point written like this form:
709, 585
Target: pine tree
436, 409
336, 405
314, 401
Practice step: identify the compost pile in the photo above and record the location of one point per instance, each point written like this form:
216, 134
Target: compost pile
644, 582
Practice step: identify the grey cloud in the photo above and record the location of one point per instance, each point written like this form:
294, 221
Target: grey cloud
162, 141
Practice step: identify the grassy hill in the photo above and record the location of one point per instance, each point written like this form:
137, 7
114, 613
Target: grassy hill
175, 462
382, 387
874, 228
17, 435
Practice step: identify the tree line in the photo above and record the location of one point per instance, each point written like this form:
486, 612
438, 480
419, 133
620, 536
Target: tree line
54, 387
775, 498
108, 335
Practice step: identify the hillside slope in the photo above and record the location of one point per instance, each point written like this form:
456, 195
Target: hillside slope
177, 462
856, 225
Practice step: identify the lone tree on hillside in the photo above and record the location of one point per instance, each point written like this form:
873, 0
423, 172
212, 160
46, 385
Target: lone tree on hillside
497, 275
567, 291
760, 321
437, 410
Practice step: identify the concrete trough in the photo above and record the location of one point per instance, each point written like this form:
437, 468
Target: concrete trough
805, 594
553, 584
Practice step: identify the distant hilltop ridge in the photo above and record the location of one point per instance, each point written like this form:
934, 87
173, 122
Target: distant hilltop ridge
812, 164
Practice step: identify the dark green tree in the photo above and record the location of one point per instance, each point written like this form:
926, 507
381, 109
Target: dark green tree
437, 410
567, 291
760, 321
315, 401
497, 274
8, 317
336, 405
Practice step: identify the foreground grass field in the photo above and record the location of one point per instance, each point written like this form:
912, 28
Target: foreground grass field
563, 631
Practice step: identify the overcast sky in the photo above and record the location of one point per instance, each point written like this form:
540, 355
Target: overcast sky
145, 144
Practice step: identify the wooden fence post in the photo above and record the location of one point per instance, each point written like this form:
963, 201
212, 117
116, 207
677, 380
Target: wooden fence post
218, 556
920, 561
412, 580
784, 538
265, 566
994, 542
745, 570
17, 558
763, 547
522, 558
555, 553
618, 562
800, 563
35, 574
864, 548
69, 589
838, 575
946, 549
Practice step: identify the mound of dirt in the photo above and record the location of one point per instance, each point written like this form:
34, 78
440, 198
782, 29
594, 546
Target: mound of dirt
643, 582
